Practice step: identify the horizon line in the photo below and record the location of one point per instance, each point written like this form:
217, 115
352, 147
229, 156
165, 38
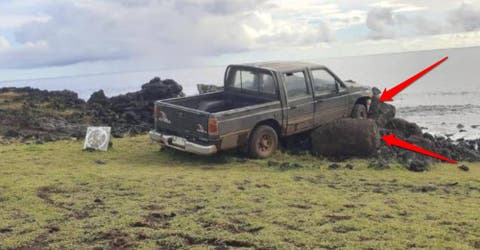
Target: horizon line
222, 65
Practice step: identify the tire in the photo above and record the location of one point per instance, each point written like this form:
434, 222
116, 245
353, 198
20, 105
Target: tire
263, 142
359, 111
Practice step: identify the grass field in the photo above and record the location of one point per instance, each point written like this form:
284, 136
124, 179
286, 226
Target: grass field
134, 196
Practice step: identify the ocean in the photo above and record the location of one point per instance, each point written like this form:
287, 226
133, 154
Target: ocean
444, 102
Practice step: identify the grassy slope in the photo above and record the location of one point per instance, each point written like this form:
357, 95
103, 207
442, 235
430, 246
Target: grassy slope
56, 196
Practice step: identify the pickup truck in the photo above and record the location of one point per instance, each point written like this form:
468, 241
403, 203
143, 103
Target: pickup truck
260, 103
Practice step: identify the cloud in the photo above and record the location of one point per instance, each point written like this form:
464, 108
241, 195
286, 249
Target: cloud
465, 18
220, 7
381, 23
390, 22
45, 33
166, 33
4, 44
9, 21
110, 30
297, 36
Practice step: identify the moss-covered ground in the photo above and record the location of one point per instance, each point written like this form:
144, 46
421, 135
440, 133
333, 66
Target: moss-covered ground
57, 196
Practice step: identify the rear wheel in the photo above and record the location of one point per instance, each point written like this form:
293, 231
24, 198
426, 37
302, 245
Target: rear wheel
359, 111
263, 142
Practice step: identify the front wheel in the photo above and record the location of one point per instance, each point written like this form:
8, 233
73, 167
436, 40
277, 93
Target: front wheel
359, 111
263, 142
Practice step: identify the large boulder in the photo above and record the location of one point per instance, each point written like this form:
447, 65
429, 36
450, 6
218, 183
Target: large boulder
157, 89
345, 138
98, 97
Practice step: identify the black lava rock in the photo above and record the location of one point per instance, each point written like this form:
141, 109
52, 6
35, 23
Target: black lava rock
418, 165
334, 166
464, 168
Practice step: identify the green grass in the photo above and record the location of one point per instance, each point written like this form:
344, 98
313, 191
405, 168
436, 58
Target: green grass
57, 196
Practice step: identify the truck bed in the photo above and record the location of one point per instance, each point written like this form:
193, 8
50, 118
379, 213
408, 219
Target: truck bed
218, 101
188, 116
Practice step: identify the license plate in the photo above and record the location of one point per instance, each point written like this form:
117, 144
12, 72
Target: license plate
178, 141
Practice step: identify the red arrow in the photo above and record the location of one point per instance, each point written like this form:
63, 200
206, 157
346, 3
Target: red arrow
387, 95
392, 140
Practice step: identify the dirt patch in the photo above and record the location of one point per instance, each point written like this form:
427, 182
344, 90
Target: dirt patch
194, 209
234, 226
39, 243
139, 224
300, 206
116, 239
424, 189
155, 220
5, 230
80, 214
44, 193
219, 243
344, 229
152, 207
334, 217
258, 185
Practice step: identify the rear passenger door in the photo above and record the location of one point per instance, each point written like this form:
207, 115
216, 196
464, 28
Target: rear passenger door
299, 101
329, 97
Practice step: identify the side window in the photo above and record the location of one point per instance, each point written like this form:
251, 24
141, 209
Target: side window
296, 84
323, 82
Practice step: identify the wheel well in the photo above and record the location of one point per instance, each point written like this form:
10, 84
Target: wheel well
272, 123
362, 100
365, 101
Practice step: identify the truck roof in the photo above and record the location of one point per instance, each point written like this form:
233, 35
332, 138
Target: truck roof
281, 66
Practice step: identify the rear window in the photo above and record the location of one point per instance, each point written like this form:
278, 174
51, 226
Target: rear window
252, 81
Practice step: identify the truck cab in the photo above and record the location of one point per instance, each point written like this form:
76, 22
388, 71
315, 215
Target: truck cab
260, 103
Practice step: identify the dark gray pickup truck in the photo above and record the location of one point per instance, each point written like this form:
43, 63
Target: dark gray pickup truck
260, 103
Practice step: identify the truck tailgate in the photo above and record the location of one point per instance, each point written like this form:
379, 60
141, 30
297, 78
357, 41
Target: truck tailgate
181, 121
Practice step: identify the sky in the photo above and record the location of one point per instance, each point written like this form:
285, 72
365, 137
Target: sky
51, 38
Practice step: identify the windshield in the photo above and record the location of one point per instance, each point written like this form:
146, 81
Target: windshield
251, 80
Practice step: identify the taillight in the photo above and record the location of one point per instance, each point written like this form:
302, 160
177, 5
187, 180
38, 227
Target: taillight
212, 126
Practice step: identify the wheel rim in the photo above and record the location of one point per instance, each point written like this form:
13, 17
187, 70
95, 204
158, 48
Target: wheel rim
363, 115
265, 144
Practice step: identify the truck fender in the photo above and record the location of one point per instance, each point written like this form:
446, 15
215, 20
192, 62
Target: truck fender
270, 122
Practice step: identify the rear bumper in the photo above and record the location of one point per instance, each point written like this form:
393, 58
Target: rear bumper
191, 147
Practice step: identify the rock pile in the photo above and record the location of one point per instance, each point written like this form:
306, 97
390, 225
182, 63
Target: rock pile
412, 133
353, 138
39, 115
133, 112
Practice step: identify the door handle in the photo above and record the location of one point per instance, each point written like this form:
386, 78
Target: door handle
318, 101
293, 107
